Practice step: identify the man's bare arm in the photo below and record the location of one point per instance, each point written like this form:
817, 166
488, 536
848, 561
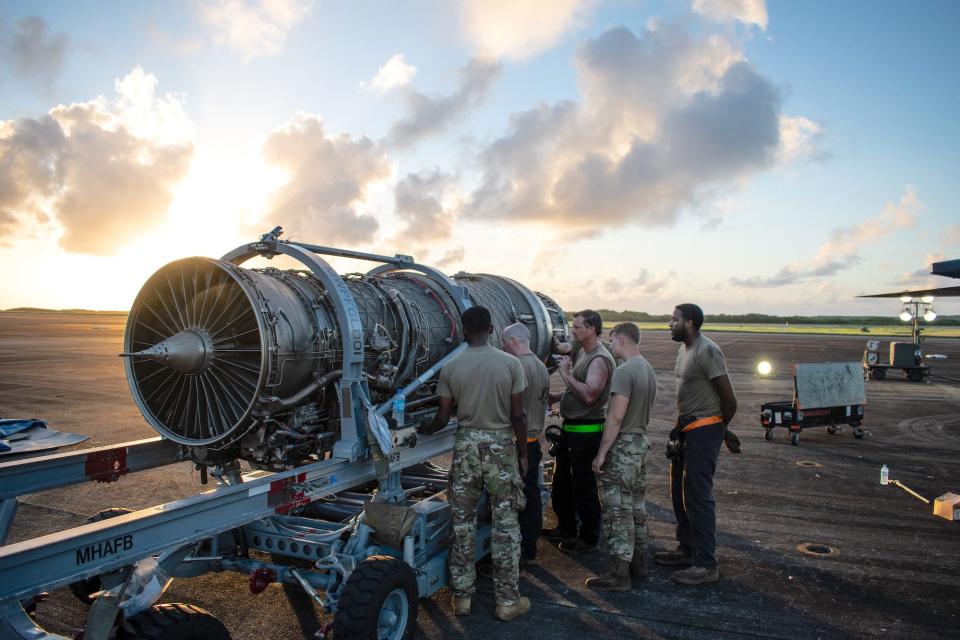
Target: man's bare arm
442, 417
518, 419
728, 399
611, 429
589, 390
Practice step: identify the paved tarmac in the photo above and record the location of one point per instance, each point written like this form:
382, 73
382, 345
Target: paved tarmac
894, 575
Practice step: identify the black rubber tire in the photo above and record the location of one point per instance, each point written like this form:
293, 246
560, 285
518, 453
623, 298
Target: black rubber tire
915, 375
358, 611
795, 439
831, 429
878, 373
858, 433
83, 589
768, 434
173, 622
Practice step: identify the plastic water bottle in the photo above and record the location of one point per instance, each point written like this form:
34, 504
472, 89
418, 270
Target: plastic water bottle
884, 475
399, 409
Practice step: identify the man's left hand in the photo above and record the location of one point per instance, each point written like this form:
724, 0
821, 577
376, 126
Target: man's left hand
732, 441
566, 365
598, 463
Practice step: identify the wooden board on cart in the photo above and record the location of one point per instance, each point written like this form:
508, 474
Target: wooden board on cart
829, 384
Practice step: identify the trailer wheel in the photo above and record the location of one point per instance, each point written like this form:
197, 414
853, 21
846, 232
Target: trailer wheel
379, 602
878, 374
83, 589
768, 434
915, 375
831, 429
173, 622
795, 439
858, 433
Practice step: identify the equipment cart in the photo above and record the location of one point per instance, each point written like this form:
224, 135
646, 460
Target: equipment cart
825, 395
904, 356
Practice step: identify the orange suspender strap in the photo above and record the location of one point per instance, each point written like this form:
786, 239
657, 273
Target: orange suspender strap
702, 422
532, 439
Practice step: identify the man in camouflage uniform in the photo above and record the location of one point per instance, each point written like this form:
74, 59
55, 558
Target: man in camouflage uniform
619, 464
536, 397
486, 385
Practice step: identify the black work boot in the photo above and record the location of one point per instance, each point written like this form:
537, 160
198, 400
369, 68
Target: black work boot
675, 556
638, 563
617, 579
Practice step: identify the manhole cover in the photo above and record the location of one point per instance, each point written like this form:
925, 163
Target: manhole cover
817, 549
809, 463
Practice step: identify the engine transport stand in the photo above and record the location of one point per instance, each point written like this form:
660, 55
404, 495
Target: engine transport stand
825, 395
303, 513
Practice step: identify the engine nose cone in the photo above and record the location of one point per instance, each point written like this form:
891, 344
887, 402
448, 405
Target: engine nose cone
185, 352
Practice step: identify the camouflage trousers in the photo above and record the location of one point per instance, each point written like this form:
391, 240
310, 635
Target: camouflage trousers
623, 488
485, 459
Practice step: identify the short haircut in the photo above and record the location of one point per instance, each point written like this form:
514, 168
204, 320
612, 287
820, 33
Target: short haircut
476, 320
517, 330
627, 330
690, 311
592, 319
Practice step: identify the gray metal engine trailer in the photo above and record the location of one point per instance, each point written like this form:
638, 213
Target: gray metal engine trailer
299, 392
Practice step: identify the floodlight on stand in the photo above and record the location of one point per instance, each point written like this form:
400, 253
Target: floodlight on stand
905, 298
905, 316
764, 368
927, 299
930, 315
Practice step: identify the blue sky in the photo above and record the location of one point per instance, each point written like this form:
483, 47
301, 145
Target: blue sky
775, 157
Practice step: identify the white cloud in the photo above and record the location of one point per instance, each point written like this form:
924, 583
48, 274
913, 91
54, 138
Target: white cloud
842, 250
745, 11
664, 121
427, 204
450, 258
951, 236
520, 29
254, 27
102, 173
800, 138
428, 115
330, 177
32, 54
394, 73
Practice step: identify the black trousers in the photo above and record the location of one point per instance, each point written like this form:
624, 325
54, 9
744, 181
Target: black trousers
574, 494
691, 488
531, 518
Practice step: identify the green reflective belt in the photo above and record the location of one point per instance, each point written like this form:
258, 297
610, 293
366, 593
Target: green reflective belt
583, 428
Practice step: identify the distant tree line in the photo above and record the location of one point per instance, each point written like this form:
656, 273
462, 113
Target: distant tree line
609, 315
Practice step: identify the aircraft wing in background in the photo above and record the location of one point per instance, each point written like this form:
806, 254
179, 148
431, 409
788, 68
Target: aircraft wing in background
942, 292
948, 268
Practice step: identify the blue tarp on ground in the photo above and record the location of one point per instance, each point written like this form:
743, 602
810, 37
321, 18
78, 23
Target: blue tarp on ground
10, 426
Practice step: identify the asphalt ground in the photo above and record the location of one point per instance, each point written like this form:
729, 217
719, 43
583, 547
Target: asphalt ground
895, 572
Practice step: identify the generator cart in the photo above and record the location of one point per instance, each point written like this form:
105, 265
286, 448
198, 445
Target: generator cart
906, 357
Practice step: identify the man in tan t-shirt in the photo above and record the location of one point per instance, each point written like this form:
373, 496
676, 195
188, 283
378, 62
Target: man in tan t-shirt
486, 385
536, 397
620, 462
705, 406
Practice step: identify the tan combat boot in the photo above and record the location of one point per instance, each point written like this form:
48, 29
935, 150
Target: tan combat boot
638, 563
507, 612
617, 579
461, 605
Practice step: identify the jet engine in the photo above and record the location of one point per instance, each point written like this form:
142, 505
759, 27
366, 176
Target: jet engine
283, 367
